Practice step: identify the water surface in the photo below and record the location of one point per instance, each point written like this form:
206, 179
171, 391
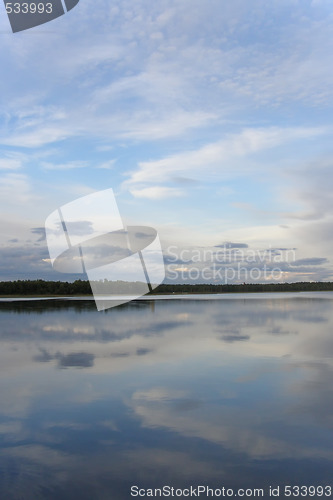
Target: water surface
234, 391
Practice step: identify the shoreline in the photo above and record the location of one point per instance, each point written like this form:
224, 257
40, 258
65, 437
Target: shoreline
161, 296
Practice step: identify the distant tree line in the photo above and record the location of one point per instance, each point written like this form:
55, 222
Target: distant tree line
302, 286
41, 287
82, 287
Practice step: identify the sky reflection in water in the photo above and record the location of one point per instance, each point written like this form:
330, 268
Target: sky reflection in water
233, 393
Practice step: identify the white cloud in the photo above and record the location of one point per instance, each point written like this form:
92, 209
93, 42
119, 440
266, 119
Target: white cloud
151, 126
9, 164
215, 158
37, 137
107, 165
15, 188
65, 166
156, 192
153, 77
103, 122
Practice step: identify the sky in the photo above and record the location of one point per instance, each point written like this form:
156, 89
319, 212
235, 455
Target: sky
210, 120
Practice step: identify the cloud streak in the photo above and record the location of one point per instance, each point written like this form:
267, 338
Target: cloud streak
215, 158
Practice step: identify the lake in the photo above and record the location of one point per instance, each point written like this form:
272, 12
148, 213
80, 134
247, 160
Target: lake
229, 392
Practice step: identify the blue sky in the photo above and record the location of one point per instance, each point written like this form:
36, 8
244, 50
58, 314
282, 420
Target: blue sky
212, 122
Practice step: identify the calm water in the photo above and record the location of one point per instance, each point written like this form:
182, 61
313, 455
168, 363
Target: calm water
234, 392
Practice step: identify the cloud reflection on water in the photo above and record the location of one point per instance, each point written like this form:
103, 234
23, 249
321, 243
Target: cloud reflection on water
214, 385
